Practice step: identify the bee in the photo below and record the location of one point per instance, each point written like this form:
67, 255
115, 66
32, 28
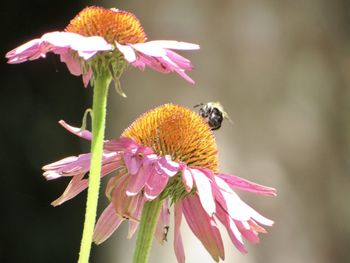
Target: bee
213, 113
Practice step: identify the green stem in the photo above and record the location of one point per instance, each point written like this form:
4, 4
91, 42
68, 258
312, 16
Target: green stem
147, 228
98, 127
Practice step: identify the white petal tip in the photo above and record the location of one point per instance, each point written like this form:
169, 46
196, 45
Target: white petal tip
128, 193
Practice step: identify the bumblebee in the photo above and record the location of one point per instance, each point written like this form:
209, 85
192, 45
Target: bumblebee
213, 113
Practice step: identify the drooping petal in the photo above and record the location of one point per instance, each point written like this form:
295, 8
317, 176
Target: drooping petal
125, 205
158, 56
85, 134
230, 201
52, 169
163, 223
154, 63
247, 231
86, 77
245, 185
80, 165
178, 245
108, 222
204, 189
184, 76
258, 217
170, 66
187, 180
69, 166
235, 207
138, 181
75, 186
128, 52
203, 226
182, 62
155, 185
114, 182
73, 65
133, 224
232, 230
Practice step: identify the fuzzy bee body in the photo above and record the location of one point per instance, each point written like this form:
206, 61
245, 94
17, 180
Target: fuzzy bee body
213, 113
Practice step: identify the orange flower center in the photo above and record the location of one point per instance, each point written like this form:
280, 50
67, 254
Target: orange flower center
179, 132
111, 24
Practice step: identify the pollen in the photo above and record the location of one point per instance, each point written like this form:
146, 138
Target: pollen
111, 24
179, 132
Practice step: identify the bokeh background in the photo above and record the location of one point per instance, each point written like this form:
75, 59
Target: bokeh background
280, 68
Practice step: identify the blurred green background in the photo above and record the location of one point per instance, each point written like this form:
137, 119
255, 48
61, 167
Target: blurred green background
280, 68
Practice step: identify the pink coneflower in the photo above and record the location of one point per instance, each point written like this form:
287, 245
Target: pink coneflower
168, 153
111, 38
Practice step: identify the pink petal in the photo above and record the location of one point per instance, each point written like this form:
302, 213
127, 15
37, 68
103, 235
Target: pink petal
128, 52
152, 62
246, 185
138, 181
75, 186
166, 65
163, 223
235, 207
247, 232
108, 222
73, 65
167, 166
110, 167
133, 162
203, 184
179, 60
59, 43
156, 55
258, 217
86, 46
61, 39
87, 76
68, 166
178, 245
123, 144
231, 228
203, 226
125, 206
80, 165
114, 182
187, 179
255, 227
150, 49
85, 134
230, 201
155, 185
51, 169
138, 63
185, 76
133, 224
28, 51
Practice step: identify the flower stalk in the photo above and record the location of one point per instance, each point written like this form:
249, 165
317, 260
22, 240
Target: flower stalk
147, 228
99, 104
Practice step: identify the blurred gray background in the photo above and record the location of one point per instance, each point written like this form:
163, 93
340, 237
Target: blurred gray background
280, 68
